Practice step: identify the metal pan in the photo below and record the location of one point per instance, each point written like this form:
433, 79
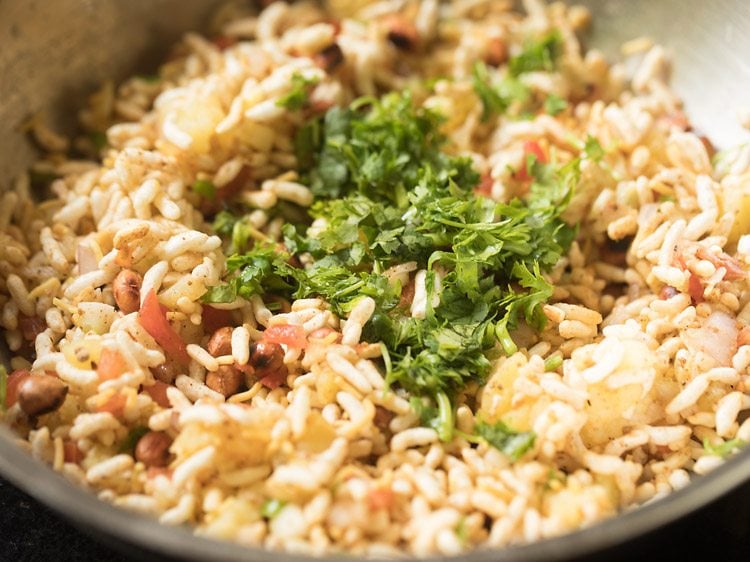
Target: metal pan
54, 53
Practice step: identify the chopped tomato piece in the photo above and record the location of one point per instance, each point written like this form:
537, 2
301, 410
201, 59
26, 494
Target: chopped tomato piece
111, 364
293, 336
485, 185
153, 318
115, 405
222, 41
31, 326
695, 289
215, 318
158, 393
11, 386
380, 498
530, 148
731, 265
71, 452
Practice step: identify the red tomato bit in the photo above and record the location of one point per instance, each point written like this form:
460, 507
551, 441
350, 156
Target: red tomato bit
530, 148
293, 336
153, 318
11, 386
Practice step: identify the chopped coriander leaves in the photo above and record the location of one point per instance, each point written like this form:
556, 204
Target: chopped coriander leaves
512, 443
723, 449
438, 415
224, 222
554, 105
204, 188
553, 362
270, 508
387, 193
538, 55
131, 440
297, 97
497, 96
593, 149
98, 139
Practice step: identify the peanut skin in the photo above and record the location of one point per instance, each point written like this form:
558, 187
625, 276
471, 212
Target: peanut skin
42, 394
127, 290
153, 449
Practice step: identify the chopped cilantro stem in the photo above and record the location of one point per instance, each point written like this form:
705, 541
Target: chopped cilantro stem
445, 413
723, 449
271, 508
553, 362
509, 346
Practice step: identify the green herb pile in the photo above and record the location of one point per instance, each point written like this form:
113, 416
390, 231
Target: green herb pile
387, 193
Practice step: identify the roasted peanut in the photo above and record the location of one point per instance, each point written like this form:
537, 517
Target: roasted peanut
329, 58
226, 380
266, 355
220, 342
153, 449
496, 52
127, 290
402, 33
166, 372
41, 394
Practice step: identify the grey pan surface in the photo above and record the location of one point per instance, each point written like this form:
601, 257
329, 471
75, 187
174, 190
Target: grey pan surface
54, 53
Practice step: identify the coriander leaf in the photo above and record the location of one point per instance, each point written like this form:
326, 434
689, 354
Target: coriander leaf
297, 98
220, 294
510, 442
538, 55
204, 188
98, 139
593, 149
224, 223
554, 104
497, 96
131, 440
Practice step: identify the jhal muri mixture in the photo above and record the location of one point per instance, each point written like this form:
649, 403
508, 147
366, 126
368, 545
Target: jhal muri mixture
381, 277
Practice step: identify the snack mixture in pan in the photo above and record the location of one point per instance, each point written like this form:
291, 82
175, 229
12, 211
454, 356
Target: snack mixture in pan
381, 277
